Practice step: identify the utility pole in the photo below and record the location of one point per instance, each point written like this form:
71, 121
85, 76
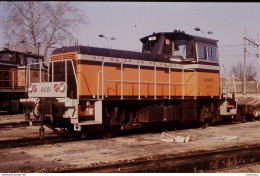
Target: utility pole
244, 74
257, 62
257, 56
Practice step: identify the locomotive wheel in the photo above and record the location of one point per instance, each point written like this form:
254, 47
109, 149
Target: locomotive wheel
203, 114
243, 118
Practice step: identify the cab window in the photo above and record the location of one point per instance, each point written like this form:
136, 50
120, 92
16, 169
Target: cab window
202, 52
148, 47
6, 57
207, 53
31, 60
212, 54
167, 49
21, 59
183, 48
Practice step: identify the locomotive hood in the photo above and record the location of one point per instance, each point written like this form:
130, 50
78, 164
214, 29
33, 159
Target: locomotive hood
113, 53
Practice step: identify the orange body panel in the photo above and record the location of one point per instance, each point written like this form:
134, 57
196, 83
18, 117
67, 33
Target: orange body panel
207, 83
21, 78
16, 77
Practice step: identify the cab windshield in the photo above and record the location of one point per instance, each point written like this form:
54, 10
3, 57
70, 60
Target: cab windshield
32, 60
183, 48
6, 57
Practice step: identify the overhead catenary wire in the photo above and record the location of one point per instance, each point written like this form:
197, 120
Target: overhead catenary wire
232, 45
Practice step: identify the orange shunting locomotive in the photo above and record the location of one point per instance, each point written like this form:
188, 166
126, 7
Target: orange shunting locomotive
174, 80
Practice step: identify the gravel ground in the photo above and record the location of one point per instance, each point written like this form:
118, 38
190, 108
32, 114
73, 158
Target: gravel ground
19, 132
47, 158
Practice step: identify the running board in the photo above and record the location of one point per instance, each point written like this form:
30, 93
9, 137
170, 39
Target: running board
89, 122
78, 127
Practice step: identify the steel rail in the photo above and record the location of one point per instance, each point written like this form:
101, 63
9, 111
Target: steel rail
13, 143
179, 163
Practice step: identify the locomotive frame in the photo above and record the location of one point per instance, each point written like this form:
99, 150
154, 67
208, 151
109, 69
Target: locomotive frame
96, 87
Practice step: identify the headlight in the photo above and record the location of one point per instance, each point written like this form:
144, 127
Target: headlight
56, 87
62, 87
30, 88
34, 88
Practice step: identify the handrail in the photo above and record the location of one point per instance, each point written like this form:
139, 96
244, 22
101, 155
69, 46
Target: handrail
228, 77
11, 82
122, 81
66, 79
155, 83
122, 86
234, 84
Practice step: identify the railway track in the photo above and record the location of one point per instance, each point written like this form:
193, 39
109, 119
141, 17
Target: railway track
35, 141
64, 136
194, 161
200, 161
19, 124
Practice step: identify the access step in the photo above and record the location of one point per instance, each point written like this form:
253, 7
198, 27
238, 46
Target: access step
89, 122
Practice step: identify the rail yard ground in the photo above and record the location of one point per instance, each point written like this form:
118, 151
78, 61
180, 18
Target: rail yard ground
98, 153
208, 149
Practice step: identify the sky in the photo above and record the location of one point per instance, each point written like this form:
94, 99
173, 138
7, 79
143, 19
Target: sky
130, 21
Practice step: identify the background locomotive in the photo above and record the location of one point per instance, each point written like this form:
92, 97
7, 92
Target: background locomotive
174, 80
13, 77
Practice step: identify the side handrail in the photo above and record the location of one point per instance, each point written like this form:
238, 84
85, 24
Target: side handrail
234, 84
228, 77
12, 81
122, 81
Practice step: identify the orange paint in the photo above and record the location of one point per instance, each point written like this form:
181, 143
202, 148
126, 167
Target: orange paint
207, 84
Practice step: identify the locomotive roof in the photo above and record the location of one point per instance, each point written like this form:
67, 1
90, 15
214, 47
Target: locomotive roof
133, 54
112, 53
6, 50
180, 36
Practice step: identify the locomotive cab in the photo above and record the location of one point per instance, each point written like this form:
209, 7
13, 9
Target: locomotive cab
179, 46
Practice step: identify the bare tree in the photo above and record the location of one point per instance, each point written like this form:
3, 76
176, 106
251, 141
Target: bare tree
30, 25
238, 70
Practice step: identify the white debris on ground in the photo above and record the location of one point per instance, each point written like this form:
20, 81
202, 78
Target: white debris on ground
226, 137
167, 137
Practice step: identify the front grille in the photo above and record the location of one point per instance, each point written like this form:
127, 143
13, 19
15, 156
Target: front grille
64, 56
